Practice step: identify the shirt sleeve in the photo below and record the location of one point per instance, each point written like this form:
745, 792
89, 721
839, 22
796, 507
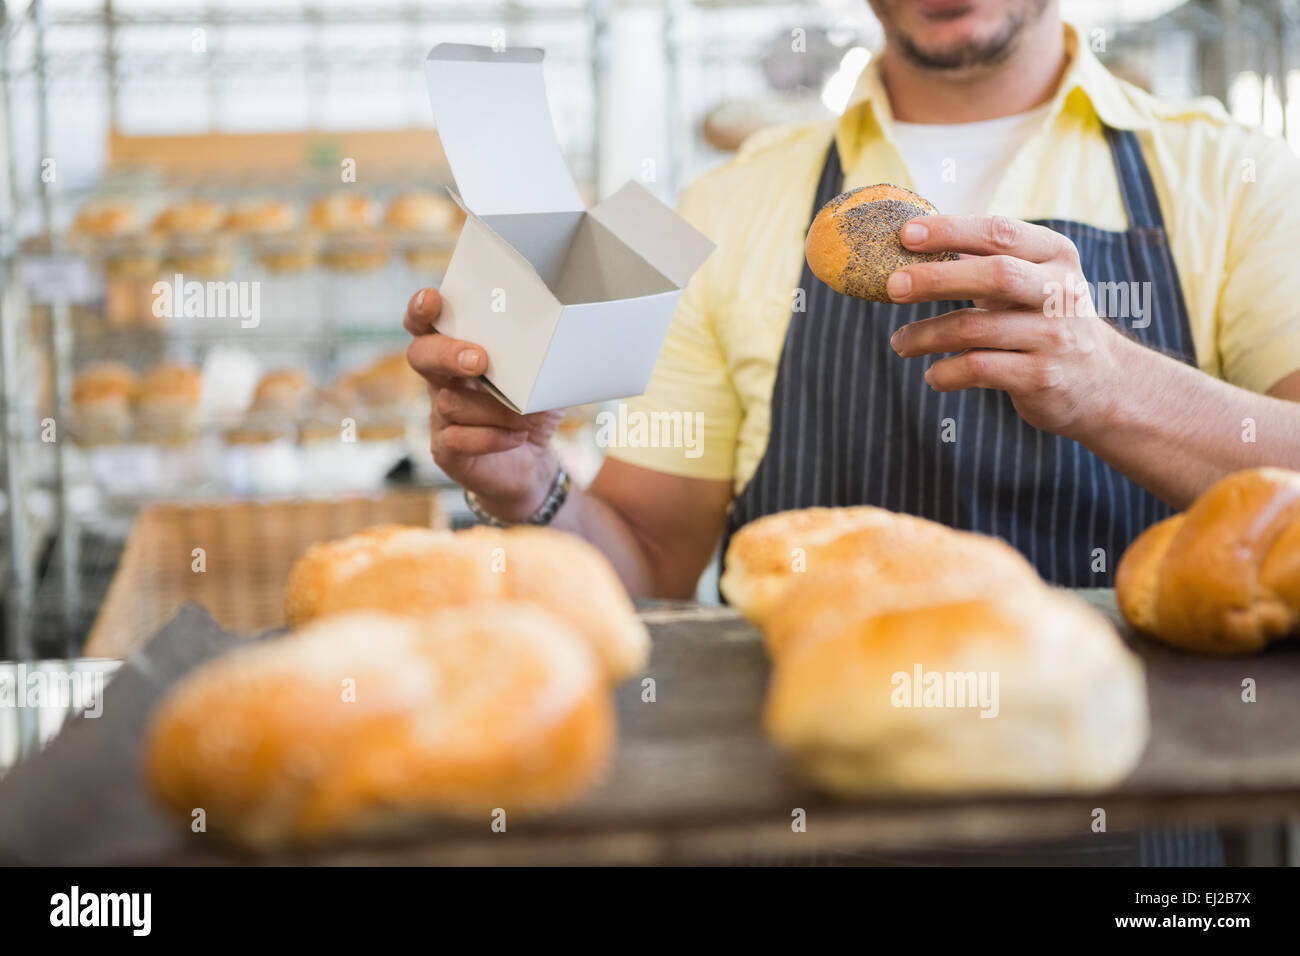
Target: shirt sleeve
1259, 301
688, 421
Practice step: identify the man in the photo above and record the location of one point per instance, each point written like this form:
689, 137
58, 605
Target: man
991, 396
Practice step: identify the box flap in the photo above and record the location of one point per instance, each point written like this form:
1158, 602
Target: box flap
492, 116
663, 238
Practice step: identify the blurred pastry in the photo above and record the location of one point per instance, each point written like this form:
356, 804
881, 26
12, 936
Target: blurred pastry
432, 259
260, 216
102, 397
387, 383
421, 573
426, 213
284, 391
343, 211
106, 218
367, 723
189, 217
167, 402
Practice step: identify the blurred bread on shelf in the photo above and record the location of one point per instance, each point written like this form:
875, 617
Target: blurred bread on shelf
424, 212
189, 217
342, 211
102, 398
106, 218
285, 391
386, 384
260, 216
167, 402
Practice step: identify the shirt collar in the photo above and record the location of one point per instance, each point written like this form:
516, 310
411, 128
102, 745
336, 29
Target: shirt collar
1087, 85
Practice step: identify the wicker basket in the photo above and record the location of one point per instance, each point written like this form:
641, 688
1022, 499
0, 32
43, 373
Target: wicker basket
248, 550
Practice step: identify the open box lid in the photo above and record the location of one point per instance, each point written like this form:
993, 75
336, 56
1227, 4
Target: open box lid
492, 116
654, 231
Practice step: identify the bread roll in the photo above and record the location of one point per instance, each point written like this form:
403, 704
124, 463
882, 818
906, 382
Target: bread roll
389, 382
189, 217
342, 211
283, 391
102, 396
1066, 699
167, 401
420, 575
359, 253
422, 212
1223, 577
260, 217
105, 218
364, 723
287, 252
816, 547
853, 243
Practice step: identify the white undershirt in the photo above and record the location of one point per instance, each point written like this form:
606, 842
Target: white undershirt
958, 166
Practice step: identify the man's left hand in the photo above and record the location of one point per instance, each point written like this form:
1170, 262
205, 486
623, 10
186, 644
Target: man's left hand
1034, 332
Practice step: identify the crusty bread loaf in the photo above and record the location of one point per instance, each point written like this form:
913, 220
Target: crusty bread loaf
897, 702
1223, 577
364, 723
864, 552
853, 243
418, 574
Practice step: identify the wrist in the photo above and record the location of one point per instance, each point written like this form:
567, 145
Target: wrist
519, 508
1114, 392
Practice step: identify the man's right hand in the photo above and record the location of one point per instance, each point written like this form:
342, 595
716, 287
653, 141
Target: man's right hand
503, 457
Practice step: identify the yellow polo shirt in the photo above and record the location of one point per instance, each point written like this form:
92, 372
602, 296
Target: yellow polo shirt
1230, 198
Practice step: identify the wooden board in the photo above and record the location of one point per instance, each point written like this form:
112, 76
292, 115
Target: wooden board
695, 782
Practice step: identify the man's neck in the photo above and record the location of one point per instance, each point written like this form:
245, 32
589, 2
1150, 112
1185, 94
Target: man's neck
1025, 79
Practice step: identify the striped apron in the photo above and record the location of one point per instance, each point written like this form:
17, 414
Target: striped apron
852, 423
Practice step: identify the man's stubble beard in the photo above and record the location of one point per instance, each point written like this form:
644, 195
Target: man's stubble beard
973, 55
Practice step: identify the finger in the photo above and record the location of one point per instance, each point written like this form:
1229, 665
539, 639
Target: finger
456, 405
474, 440
986, 236
1015, 372
440, 358
976, 329
1005, 279
421, 311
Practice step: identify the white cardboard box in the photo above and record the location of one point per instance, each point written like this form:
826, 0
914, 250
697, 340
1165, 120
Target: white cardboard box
571, 304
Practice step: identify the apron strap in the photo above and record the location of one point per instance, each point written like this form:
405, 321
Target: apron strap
1136, 188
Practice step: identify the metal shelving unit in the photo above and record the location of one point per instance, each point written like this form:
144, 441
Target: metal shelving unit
46, 564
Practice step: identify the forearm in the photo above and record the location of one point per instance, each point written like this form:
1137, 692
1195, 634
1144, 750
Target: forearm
1175, 430
586, 514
